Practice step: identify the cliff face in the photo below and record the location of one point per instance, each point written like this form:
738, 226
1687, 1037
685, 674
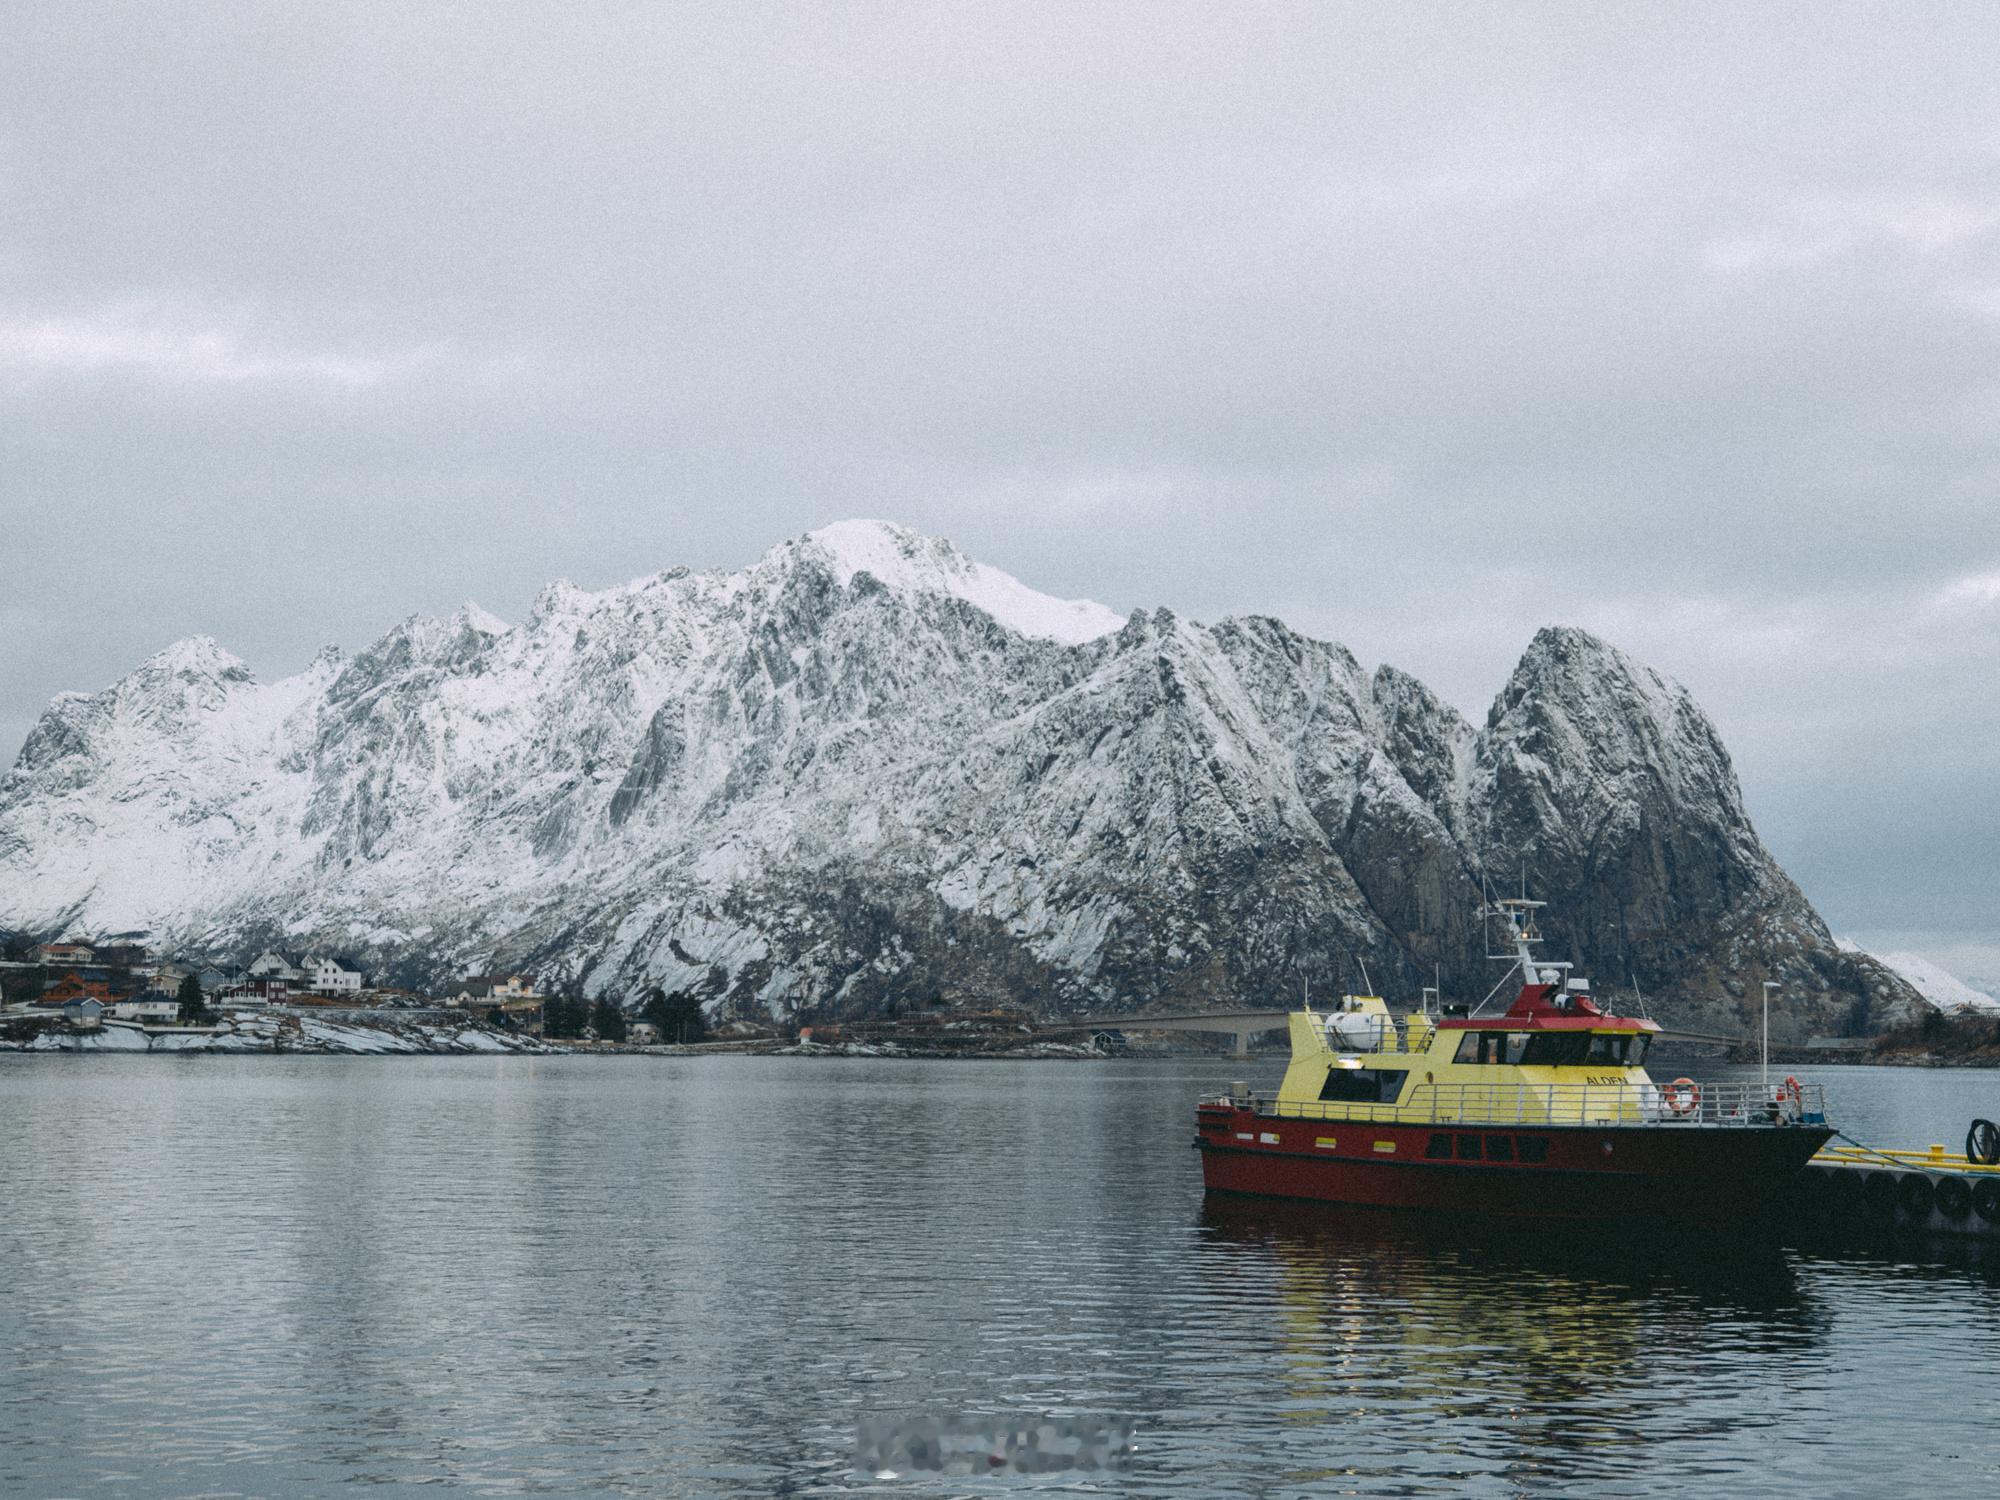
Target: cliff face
867, 771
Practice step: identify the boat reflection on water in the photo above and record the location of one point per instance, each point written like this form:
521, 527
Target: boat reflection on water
1502, 1349
1749, 1271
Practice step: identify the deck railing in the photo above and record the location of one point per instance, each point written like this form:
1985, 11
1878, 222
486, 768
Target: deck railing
1611, 1104
1360, 1031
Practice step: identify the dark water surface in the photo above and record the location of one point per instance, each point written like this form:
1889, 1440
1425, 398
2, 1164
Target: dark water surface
278, 1276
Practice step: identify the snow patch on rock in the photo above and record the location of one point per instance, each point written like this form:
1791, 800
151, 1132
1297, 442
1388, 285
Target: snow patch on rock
910, 562
1936, 983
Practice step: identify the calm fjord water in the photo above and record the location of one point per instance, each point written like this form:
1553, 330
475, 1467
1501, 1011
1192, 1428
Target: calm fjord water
276, 1276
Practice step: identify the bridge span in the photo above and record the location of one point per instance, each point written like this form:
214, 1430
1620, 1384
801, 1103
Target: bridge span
1241, 1024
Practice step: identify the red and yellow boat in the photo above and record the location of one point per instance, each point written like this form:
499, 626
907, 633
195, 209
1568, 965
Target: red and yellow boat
1543, 1111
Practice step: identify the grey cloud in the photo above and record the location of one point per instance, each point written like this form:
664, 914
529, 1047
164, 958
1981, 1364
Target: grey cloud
1418, 327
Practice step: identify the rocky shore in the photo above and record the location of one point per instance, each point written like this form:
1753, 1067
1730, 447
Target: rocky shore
384, 1035
1941, 1041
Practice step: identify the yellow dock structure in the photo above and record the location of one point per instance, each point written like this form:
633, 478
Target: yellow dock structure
1932, 1190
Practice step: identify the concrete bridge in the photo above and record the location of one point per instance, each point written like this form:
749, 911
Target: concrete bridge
1241, 1024
1244, 1024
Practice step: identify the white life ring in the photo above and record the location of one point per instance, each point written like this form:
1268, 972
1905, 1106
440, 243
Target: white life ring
1682, 1097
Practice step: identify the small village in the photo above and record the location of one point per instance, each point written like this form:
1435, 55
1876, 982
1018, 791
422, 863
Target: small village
80, 987
117, 995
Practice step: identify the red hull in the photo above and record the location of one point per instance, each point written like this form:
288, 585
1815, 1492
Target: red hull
1683, 1172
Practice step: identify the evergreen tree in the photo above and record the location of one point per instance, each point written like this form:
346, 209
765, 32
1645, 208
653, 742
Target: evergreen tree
20, 985
609, 1019
653, 1008
677, 1015
561, 1017
552, 1016
194, 1006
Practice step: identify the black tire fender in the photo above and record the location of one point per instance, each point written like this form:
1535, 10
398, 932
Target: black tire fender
1986, 1199
1954, 1198
1915, 1196
1878, 1195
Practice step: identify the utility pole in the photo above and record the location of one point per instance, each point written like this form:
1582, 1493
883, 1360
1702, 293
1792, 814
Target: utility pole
1769, 985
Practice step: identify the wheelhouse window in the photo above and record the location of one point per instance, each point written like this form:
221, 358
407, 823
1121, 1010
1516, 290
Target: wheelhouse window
1483, 1047
1556, 1049
1364, 1085
1618, 1047
1493, 1047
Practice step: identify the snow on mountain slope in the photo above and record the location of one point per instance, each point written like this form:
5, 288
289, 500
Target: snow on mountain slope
866, 772
1939, 986
908, 562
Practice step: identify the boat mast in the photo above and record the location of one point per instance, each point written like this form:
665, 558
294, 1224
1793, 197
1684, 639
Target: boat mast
1519, 915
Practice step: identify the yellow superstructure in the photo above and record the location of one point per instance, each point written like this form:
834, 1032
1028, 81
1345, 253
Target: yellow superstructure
1559, 1062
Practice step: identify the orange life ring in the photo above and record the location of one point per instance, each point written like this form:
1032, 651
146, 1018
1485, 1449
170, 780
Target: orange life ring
1682, 1097
1789, 1103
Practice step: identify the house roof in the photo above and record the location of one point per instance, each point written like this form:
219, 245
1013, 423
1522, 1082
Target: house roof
79, 976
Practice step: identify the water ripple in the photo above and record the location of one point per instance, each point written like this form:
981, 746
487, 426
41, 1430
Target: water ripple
536, 1276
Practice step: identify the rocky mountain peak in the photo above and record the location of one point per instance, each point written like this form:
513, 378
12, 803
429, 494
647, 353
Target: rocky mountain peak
868, 771
469, 616
908, 562
198, 658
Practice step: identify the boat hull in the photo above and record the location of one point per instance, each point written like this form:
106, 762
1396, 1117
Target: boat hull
1687, 1173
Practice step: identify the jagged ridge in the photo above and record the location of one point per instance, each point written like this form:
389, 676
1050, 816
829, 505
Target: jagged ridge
868, 771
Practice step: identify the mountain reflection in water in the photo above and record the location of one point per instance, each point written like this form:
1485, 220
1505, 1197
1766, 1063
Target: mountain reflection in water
703, 1277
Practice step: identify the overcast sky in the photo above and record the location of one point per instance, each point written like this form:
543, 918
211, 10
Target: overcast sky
1417, 326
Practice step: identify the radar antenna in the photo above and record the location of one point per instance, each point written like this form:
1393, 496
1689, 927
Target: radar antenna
1517, 914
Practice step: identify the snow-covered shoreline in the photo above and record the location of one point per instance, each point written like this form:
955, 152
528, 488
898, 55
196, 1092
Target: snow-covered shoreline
282, 1033
290, 1035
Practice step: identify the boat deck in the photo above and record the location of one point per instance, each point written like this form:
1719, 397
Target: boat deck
1609, 1105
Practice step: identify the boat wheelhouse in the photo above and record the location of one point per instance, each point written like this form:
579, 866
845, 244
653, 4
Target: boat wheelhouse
1546, 1110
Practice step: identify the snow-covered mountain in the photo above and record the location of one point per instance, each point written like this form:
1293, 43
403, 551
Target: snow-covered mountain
868, 771
1939, 985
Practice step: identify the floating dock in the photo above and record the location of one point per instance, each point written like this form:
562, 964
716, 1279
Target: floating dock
1930, 1191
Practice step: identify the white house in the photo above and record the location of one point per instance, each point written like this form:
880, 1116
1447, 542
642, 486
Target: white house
503, 986
167, 978
331, 975
149, 1010
472, 992
270, 965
